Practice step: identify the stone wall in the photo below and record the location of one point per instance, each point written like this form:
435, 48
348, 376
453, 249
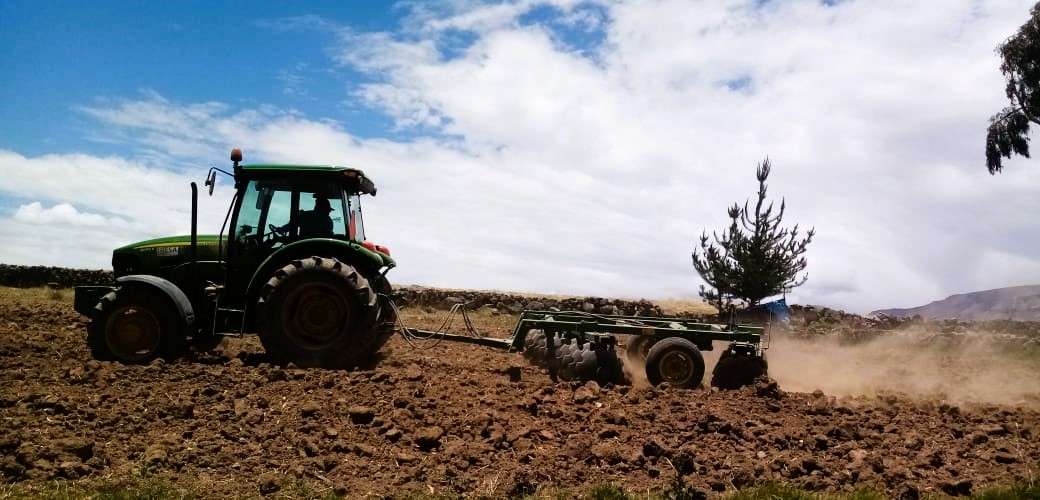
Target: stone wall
54, 277
513, 303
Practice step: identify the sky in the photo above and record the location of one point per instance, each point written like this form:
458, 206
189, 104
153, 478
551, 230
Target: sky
537, 146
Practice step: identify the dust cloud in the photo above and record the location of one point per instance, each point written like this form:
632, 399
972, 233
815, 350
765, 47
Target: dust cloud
634, 365
973, 368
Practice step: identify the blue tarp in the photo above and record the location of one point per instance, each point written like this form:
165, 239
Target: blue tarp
779, 310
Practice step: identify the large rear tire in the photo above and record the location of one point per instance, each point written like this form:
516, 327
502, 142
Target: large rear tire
135, 325
319, 313
677, 361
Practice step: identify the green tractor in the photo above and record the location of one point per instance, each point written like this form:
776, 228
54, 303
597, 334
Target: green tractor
295, 268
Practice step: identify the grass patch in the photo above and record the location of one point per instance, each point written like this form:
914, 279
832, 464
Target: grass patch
1009, 493
678, 306
163, 488
772, 491
41, 294
148, 488
486, 322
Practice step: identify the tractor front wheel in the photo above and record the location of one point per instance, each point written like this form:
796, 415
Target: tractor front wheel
319, 313
135, 325
677, 361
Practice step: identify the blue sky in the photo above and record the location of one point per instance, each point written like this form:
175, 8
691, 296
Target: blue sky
553, 146
70, 54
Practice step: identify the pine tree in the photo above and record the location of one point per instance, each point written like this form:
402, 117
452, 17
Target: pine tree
1008, 131
755, 257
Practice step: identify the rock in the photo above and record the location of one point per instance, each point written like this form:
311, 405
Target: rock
766, 387
652, 449
607, 452
413, 373
361, 415
310, 447
155, 454
587, 393
957, 488
858, 455
73, 469
81, 448
393, 435
429, 438
268, 483
994, 430
617, 417
309, 409
514, 372
908, 492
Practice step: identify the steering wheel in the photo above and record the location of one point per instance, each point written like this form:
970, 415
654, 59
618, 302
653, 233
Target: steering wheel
276, 234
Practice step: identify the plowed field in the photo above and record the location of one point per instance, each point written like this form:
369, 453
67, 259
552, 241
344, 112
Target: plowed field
461, 419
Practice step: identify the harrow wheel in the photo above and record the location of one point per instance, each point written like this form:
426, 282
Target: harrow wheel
677, 361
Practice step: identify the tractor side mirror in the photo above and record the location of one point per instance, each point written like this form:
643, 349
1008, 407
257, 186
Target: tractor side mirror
211, 180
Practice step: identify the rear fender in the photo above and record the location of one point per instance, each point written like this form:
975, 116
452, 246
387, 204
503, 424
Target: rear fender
177, 297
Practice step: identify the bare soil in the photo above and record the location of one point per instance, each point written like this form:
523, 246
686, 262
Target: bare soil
460, 419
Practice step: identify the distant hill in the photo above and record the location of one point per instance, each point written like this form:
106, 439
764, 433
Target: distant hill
1020, 303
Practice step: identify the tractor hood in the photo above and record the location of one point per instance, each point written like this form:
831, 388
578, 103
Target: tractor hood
149, 256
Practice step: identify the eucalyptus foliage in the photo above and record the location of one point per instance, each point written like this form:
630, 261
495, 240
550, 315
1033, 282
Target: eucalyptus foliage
1008, 131
755, 257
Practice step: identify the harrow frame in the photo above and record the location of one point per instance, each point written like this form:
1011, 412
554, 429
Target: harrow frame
601, 330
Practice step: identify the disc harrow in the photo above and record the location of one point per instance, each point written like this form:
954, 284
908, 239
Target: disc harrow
575, 345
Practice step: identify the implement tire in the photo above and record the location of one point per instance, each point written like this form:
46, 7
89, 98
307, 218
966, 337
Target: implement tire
319, 313
677, 361
135, 325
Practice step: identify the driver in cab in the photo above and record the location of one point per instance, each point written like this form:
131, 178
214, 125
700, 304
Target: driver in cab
316, 223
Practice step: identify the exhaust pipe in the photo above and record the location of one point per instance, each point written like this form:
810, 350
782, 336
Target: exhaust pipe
194, 232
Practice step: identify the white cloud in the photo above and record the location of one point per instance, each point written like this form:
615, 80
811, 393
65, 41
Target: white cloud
594, 172
63, 215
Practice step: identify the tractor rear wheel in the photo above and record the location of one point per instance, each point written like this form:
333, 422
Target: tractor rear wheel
677, 361
319, 313
135, 325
